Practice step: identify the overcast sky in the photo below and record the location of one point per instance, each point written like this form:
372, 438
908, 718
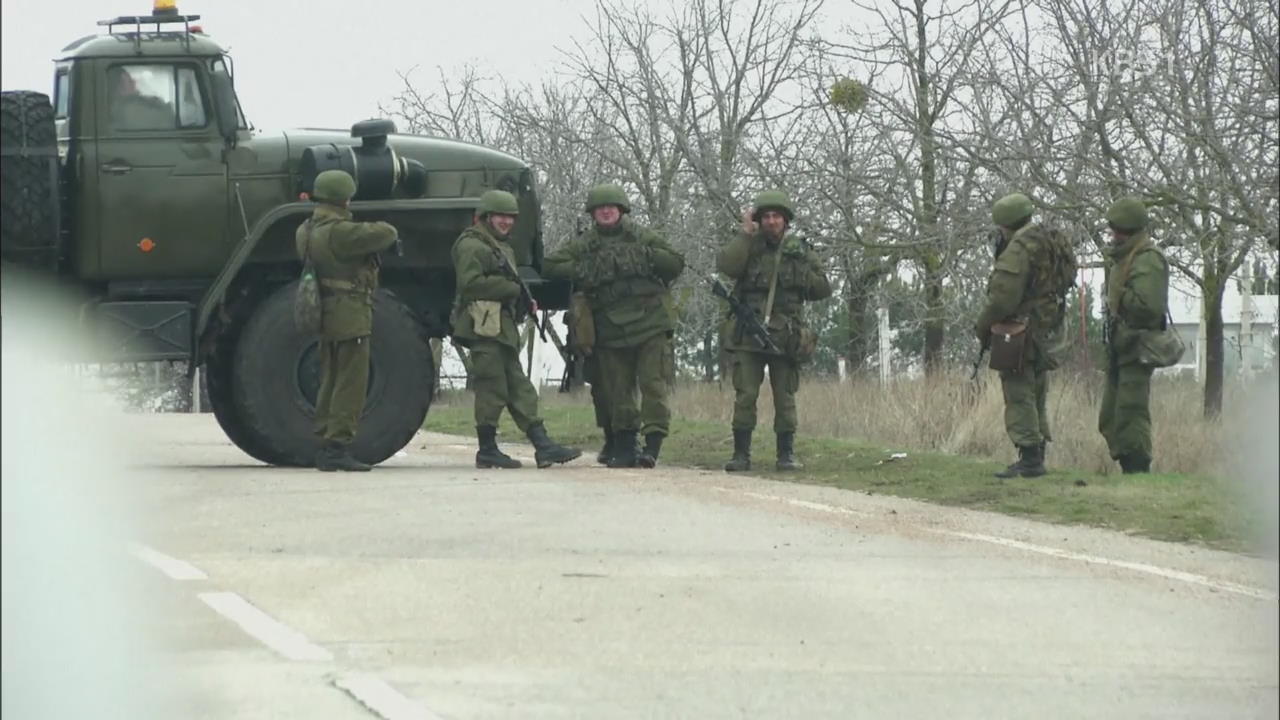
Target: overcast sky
319, 63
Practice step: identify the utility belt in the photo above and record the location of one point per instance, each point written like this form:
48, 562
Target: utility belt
345, 287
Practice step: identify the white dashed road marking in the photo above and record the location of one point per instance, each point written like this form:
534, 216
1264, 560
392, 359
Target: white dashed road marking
382, 699
173, 567
1168, 573
273, 633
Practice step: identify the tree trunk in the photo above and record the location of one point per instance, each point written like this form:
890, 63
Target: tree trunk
934, 319
1213, 345
857, 295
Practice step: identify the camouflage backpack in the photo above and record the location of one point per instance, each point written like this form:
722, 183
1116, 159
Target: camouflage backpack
1056, 268
307, 312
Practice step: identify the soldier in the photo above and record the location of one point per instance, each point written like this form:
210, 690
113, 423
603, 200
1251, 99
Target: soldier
345, 256
774, 274
625, 271
486, 313
1137, 293
1034, 269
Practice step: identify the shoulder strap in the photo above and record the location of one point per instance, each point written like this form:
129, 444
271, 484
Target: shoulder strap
773, 281
306, 242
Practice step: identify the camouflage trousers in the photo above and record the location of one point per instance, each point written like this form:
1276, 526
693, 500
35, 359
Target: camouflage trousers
646, 369
344, 380
500, 383
1026, 418
784, 378
591, 373
1125, 417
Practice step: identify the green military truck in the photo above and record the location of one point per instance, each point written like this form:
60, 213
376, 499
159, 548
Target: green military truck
141, 188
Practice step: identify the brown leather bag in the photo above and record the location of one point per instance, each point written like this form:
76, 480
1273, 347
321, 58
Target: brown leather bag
1008, 346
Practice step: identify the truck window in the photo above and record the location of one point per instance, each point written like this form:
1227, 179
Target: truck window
155, 97
61, 92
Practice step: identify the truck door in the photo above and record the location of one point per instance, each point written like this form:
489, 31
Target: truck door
162, 181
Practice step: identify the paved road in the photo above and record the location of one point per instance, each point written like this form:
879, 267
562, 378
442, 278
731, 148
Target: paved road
429, 589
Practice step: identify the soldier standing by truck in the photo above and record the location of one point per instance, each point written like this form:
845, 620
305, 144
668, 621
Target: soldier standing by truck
625, 271
774, 274
344, 254
488, 309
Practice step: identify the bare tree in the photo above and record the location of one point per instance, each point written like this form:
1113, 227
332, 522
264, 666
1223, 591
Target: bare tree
919, 51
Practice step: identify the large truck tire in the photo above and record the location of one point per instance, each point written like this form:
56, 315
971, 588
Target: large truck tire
28, 180
277, 373
218, 376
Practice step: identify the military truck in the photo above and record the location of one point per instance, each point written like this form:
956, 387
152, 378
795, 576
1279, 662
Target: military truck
140, 186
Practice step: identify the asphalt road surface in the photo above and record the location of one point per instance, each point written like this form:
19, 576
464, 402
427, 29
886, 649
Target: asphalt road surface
429, 589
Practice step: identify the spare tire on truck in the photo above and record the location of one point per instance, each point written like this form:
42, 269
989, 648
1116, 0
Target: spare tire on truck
277, 374
28, 180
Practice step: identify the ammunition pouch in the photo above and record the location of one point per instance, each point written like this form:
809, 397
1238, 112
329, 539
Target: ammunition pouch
486, 317
582, 325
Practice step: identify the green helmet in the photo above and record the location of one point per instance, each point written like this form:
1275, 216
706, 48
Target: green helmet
498, 202
1128, 214
1011, 210
607, 194
773, 200
335, 186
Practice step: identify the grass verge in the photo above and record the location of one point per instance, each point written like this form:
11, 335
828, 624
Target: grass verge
1178, 507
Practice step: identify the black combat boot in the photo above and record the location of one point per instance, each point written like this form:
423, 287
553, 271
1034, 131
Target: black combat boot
546, 452
1030, 463
741, 461
1011, 471
335, 457
607, 451
625, 449
648, 457
787, 452
489, 456
1134, 464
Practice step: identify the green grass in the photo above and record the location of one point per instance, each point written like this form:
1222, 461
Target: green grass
1177, 507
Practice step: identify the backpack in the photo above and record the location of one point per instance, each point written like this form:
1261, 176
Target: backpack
307, 312
1055, 269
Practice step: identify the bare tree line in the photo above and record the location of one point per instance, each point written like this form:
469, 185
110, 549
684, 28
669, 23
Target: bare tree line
894, 137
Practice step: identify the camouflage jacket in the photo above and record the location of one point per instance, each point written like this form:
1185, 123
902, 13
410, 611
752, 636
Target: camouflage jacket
626, 275
481, 275
1026, 285
749, 261
1137, 292
345, 256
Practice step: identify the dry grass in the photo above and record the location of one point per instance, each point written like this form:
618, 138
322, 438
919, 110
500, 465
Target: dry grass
956, 416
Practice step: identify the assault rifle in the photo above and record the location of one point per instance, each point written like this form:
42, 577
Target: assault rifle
743, 315
977, 364
526, 297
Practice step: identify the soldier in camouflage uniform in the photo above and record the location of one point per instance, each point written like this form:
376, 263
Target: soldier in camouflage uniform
1035, 267
625, 270
486, 315
1137, 292
774, 274
344, 254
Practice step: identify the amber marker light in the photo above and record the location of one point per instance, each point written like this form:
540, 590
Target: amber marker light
146, 245
164, 7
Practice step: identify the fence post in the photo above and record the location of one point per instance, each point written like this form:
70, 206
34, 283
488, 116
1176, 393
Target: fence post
882, 314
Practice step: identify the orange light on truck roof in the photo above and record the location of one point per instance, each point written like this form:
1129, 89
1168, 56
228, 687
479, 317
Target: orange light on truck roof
164, 7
